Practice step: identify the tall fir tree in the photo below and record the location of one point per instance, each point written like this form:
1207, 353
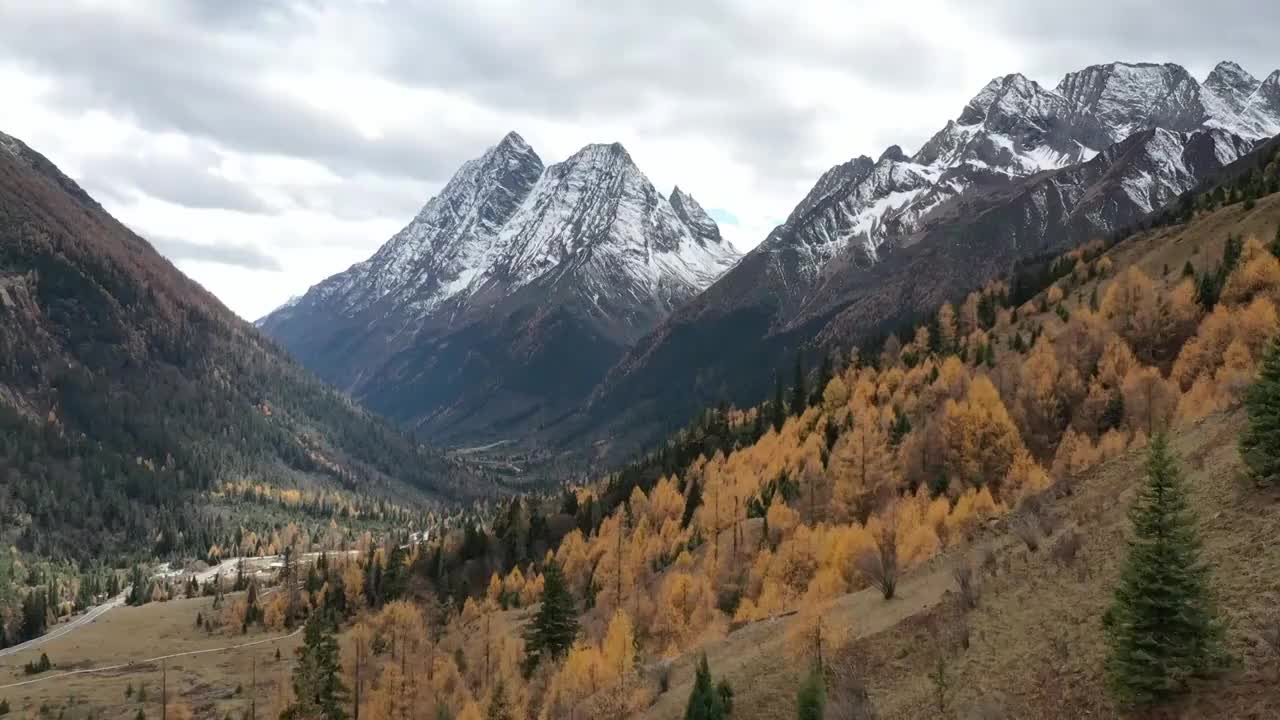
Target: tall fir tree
554, 628
1260, 442
317, 678
825, 373
706, 701
799, 397
811, 700
778, 408
1161, 627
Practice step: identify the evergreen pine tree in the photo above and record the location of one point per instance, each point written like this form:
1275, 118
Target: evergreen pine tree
554, 628
811, 701
395, 581
824, 377
799, 398
1161, 627
706, 702
1260, 442
1188, 270
778, 408
1275, 244
691, 503
1113, 413
317, 678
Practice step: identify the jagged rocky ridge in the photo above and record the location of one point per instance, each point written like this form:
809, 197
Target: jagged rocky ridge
1022, 171
510, 294
1014, 128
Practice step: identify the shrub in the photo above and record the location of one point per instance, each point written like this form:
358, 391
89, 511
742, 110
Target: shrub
880, 564
963, 574
37, 667
1067, 546
1027, 528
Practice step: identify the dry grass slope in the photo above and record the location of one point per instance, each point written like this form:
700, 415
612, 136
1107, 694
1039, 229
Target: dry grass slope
1035, 641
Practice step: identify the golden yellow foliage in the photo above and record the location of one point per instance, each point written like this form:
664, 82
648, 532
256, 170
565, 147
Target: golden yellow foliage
1257, 275
1149, 400
862, 468
980, 437
494, 592
618, 651
1076, 453
1025, 477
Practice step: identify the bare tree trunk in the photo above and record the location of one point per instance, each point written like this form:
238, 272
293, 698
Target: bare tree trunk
253, 688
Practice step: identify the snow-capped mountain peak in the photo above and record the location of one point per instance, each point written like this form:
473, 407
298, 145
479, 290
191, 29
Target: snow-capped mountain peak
1013, 128
511, 292
505, 221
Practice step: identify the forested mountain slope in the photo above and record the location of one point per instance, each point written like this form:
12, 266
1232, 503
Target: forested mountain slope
128, 392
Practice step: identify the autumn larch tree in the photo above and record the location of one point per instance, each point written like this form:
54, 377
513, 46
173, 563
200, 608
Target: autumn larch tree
1260, 442
554, 628
317, 678
1161, 628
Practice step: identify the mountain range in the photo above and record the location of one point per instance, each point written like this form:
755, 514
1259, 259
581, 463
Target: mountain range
573, 304
510, 294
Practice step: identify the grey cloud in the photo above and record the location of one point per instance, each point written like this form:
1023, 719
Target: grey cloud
1195, 34
182, 181
710, 69
201, 82
364, 197
226, 253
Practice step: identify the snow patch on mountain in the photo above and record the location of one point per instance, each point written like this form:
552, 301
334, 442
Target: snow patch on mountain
504, 222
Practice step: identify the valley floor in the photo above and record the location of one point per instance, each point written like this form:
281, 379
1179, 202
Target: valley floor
207, 671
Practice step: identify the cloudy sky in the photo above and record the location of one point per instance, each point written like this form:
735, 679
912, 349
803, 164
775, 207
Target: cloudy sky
263, 145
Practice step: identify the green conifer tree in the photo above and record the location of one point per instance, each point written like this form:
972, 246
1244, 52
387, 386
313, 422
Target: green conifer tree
1161, 627
317, 678
778, 408
799, 397
1260, 442
554, 628
825, 372
811, 700
706, 701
